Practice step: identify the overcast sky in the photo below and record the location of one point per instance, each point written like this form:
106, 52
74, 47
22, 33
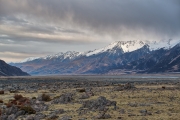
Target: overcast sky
40, 27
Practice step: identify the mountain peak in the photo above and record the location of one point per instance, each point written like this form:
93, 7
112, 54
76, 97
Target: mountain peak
129, 46
105, 49
68, 54
125, 46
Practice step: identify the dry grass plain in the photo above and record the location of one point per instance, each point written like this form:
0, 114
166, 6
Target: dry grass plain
144, 102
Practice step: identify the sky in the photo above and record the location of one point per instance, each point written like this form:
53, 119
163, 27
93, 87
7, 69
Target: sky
31, 28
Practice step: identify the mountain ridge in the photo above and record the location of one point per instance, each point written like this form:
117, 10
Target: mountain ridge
129, 55
8, 70
126, 46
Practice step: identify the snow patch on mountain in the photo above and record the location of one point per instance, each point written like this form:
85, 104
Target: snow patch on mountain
166, 44
29, 59
129, 46
68, 54
126, 46
174, 59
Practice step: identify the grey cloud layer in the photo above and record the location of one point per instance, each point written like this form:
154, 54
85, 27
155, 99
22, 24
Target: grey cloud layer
77, 21
103, 16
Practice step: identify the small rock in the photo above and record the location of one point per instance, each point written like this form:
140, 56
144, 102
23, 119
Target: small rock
130, 114
90, 93
99, 104
30, 117
63, 99
39, 116
21, 112
145, 112
82, 119
103, 116
122, 111
133, 104
59, 111
11, 110
66, 118
84, 96
144, 118
52, 116
158, 112
3, 117
11, 117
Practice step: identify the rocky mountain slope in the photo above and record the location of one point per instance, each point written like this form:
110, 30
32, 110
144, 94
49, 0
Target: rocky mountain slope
168, 62
157, 61
130, 56
7, 70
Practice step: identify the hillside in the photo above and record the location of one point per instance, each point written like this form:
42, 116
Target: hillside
8, 70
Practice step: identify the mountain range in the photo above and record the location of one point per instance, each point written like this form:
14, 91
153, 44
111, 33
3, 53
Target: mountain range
118, 57
8, 70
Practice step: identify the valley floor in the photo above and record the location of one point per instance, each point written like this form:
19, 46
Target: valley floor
84, 99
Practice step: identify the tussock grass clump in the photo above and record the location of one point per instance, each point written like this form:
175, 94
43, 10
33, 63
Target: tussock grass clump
81, 90
1, 92
56, 97
28, 109
34, 98
9, 104
45, 98
18, 100
13, 91
18, 97
1, 101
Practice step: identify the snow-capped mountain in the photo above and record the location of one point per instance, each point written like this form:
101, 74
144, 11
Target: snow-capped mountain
118, 47
115, 47
125, 46
129, 46
129, 55
165, 44
61, 56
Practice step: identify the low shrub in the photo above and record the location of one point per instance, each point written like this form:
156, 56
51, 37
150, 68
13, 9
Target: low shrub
14, 102
1, 101
13, 91
81, 90
34, 98
17, 97
8, 105
28, 109
56, 97
1, 92
45, 98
